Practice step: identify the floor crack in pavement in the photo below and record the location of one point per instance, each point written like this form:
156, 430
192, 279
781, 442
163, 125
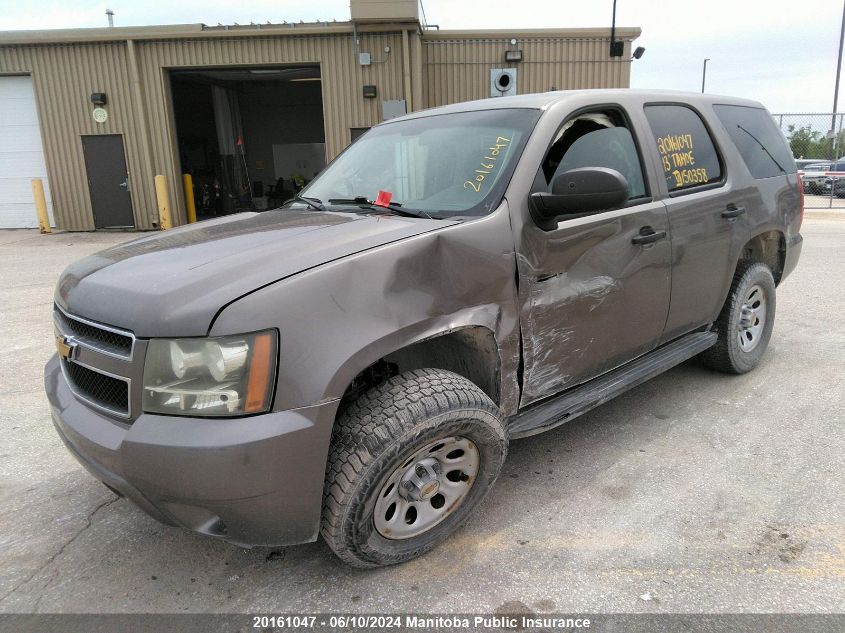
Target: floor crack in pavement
88, 522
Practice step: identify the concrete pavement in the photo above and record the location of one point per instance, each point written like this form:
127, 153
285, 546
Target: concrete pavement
696, 492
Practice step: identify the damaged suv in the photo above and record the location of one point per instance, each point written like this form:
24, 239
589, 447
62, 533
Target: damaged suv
353, 365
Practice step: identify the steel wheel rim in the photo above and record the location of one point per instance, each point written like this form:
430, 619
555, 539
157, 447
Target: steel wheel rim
752, 319
410, 503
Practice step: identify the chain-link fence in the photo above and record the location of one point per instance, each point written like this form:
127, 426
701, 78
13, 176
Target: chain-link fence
817, 141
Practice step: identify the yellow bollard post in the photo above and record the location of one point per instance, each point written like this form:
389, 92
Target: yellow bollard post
41, 205
190, 204
163, 198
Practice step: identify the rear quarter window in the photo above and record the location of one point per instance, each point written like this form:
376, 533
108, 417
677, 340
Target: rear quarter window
760, 143
687, 152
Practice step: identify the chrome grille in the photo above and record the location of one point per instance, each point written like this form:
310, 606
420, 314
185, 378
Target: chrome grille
107, 339
99, 362
105, 391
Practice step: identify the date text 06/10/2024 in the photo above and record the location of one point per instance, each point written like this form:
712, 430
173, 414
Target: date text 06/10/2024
381, 622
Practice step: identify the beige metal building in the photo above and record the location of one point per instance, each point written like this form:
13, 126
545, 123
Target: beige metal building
250, 111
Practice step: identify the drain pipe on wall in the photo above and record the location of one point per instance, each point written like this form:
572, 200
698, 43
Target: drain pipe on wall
140, 113
406, 72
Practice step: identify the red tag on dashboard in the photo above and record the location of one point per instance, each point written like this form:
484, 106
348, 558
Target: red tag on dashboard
383, 198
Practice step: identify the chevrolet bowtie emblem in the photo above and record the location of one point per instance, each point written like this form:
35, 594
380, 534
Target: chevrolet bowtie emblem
66, 347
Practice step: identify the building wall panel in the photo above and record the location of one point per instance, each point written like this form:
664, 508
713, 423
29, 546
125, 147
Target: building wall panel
342, 81
459, 69
64, 76
445, 68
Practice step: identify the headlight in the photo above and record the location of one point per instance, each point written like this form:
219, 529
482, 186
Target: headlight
222, 376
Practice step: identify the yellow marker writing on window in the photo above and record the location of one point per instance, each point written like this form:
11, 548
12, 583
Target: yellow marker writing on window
487, 164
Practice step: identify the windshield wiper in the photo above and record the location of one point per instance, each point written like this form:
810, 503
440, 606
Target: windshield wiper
314, 203
756, 140
397, 208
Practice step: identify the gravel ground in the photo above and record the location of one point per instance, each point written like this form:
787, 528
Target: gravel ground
696, 492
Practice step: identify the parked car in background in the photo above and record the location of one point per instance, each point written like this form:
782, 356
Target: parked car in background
355, 364
801, 163
814, 176
836, 184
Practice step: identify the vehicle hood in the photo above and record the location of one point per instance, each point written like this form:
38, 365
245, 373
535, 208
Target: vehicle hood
174, 283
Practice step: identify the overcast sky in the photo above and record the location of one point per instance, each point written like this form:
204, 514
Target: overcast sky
781, 53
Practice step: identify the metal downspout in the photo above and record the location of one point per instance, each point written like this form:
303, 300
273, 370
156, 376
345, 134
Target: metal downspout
140, 115
406, 72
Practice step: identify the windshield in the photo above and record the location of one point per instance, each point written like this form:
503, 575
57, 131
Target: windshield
442, 165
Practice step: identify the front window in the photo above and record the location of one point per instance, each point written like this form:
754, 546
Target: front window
442, 165
596, 139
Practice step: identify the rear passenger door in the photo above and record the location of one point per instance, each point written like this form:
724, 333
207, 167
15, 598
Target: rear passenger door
705, 213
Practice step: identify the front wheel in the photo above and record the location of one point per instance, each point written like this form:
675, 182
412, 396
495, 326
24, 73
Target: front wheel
409, 461
746, 321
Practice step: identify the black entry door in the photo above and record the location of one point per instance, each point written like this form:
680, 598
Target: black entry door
108, 181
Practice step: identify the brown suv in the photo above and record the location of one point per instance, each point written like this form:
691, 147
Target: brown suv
355, 363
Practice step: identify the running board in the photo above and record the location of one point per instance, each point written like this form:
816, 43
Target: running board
578, 400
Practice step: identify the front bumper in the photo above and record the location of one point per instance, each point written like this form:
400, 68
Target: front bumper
250, 481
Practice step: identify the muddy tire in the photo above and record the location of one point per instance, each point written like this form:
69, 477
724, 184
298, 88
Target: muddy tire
746, 321
408, 463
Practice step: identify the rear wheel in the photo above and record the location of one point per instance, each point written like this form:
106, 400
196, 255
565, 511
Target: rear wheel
746, 321
409, 461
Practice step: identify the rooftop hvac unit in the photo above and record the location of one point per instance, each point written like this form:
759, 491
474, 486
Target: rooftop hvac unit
502, 82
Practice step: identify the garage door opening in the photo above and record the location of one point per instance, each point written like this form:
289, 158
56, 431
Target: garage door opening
21, 154
250, 137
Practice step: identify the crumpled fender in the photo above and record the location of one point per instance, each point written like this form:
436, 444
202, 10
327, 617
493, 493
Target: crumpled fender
336, 319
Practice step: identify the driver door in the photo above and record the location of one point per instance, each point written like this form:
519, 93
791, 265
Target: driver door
593, 294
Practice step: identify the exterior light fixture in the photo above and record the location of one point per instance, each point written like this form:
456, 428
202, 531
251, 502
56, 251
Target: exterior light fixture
99, 98
513, 56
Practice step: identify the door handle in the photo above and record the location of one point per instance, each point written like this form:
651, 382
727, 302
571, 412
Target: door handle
733, 211
125, 184
648, 235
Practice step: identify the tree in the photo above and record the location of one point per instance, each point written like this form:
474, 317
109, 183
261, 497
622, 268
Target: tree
805, 142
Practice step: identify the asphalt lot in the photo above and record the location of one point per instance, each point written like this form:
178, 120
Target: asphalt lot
696, 492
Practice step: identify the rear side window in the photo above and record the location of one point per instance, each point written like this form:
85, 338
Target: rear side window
758, 140
686, 150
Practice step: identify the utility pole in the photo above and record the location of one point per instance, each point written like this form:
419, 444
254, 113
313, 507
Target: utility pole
616, 48
704, 74
836, 86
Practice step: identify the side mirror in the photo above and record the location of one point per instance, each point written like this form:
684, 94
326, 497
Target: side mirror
579, 192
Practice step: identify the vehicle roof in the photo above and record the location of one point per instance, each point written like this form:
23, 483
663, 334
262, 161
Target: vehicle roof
544, 100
